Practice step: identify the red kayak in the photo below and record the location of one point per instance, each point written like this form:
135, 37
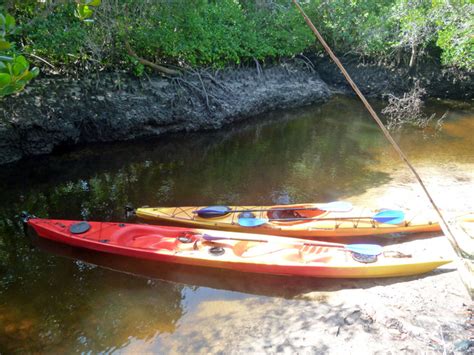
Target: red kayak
237, 251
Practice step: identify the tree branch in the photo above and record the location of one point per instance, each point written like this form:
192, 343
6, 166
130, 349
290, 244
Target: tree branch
155, 66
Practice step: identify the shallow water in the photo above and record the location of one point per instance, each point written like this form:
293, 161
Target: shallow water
55, 299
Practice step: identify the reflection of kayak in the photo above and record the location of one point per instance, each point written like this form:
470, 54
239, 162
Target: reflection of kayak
226, 250
257, 284
303, 220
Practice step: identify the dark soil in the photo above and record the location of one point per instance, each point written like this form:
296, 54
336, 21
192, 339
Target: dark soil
59, 112
377, 80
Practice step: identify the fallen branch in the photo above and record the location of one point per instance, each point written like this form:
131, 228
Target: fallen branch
41, 59
155, 66
409, 109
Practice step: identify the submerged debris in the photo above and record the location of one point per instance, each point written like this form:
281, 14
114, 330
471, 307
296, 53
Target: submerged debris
408, 109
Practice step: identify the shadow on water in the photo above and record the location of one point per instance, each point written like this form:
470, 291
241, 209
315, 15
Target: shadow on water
69, 306
306, 155
256, 284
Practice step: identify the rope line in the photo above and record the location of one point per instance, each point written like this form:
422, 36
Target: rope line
443, 224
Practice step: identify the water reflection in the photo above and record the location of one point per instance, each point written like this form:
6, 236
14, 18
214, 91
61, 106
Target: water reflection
308, 155
65, 305
61, 304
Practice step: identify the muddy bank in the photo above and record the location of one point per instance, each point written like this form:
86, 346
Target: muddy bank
377, 80
58, 112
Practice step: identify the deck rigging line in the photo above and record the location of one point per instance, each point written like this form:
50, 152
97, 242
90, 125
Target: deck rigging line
443, 224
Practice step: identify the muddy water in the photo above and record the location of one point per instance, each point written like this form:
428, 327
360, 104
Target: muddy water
56, 299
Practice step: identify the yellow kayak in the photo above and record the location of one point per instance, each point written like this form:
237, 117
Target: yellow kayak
298, 220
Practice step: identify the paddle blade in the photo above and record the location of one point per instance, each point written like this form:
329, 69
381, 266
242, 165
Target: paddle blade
365, 249
213, 211
252, 222
337, 206
390, 217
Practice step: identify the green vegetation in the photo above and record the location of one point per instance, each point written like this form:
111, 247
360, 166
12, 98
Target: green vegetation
135, 34
15, 70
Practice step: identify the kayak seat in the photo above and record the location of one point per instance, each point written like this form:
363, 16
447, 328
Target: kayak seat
283, 214
312, 213
293, 214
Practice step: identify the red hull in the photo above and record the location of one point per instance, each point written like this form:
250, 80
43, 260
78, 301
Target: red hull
235, 251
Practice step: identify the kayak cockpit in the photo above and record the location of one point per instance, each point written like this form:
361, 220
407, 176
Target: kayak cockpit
294, 215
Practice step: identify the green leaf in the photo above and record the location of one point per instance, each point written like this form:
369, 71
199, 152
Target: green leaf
9, 23
93, 2
18, 69
83, 12
5, 79
4, 45
5, 58
31, 74
10, 89
21, 60
26, 78
35, 71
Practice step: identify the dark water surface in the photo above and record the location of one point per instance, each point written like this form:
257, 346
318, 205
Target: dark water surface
56, 299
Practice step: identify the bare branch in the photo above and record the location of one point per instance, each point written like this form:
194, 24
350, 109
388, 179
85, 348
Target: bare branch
155, 66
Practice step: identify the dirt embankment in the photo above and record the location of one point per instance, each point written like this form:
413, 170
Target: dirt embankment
377, 80
55, 112
63, 111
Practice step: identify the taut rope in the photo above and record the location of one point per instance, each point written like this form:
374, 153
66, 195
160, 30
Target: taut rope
443, 224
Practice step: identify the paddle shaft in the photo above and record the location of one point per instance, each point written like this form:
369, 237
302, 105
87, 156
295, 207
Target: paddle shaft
365, 249
279, 241
264, 210
324, 219
322, 206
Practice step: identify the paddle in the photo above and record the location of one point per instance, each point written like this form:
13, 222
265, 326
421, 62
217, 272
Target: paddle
365, 249
385, 216
217, 211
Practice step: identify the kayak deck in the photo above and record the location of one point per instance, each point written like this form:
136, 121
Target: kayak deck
309, 223
240, 252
